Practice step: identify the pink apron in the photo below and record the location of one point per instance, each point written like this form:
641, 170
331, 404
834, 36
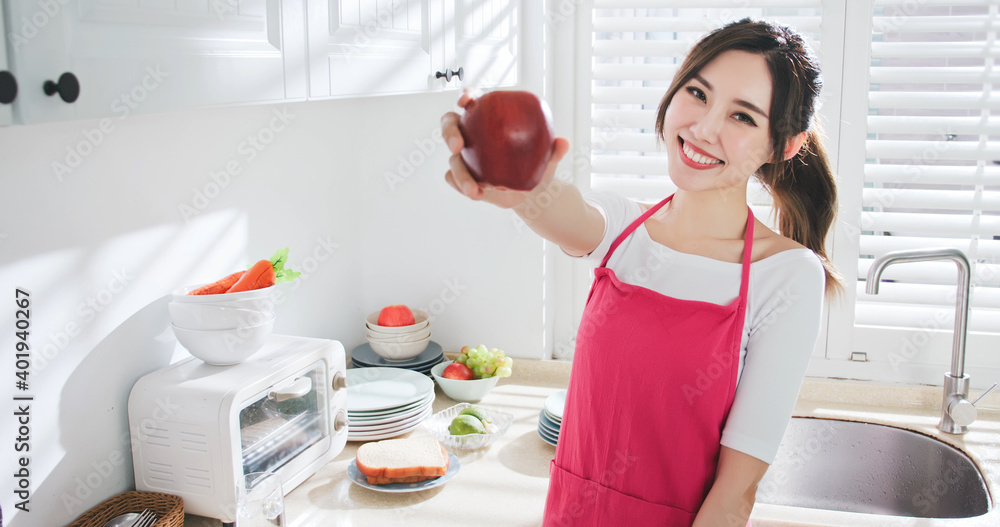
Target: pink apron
652, 382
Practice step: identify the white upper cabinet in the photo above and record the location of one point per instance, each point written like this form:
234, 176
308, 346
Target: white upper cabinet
85, 59
482, 39
362, 47
78, 59
377, 47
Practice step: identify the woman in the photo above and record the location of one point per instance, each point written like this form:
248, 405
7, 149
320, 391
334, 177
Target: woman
701, 320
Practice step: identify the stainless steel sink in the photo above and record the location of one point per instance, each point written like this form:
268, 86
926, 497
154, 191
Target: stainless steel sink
873, 469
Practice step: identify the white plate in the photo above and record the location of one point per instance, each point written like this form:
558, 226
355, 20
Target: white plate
551, 417
359, 478
409, 424
547, 425
362, 420
386, 434
555, 403
381, 388
409, 409
547, 435
361, 427
544, 438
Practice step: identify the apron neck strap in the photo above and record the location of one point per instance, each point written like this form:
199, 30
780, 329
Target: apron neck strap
631, 228
747, 243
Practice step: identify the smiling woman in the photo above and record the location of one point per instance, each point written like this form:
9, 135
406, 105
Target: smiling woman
685, 439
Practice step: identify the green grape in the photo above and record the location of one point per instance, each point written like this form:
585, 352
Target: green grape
480, 371
508, 362
461, 359
503, 371
481, 348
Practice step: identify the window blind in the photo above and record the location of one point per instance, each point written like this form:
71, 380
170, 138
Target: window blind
637, 47
932, 173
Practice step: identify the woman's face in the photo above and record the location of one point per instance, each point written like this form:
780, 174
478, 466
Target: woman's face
716, 126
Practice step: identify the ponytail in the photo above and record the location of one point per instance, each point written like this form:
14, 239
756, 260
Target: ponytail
804, 191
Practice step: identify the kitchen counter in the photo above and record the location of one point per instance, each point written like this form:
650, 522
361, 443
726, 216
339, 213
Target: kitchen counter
505, 484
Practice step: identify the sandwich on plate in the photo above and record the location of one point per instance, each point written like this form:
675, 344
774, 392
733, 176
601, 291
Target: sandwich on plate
408, 460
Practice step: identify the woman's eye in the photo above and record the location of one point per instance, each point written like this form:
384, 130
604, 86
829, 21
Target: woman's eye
700, 95
744, 118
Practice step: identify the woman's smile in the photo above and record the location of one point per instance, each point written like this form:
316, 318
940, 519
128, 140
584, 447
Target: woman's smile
697, 158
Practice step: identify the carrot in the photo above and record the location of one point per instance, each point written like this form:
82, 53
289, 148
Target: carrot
217, 288
260, 275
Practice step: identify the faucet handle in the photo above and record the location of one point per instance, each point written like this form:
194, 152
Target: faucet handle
988, 390
962, 412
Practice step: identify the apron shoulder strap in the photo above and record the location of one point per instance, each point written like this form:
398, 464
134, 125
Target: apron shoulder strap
632, 227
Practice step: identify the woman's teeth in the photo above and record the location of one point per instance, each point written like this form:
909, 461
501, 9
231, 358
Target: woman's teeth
698, 158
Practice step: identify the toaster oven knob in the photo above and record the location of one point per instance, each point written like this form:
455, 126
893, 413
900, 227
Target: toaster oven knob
339, 381
340, 422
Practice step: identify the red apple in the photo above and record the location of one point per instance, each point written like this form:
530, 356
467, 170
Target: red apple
395, 315
459, 372
508, 139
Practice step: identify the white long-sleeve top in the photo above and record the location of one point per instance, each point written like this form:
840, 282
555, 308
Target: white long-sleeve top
784, 308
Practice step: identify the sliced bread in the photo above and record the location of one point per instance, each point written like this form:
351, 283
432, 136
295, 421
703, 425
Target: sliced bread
376, 480
391, 459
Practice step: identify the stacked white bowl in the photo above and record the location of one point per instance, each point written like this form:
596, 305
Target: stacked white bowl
399, 342
222, 329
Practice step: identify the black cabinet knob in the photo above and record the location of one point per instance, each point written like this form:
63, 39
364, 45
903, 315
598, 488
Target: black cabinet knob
8, 87
448, 74
68, 87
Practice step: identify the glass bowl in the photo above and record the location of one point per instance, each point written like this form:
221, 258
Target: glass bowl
438, 426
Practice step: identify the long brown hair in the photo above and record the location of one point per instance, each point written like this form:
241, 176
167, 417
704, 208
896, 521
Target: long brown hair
803, 188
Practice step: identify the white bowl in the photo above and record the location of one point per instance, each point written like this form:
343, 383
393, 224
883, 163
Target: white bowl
264, 293
438, 425
224, 347
214, 316
401, 338
415, 328
421, 318
399, 350
465, 391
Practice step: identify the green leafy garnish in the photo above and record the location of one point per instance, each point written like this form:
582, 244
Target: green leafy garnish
278, 262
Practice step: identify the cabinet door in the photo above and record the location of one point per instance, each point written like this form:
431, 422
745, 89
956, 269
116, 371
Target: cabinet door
146, 56
367, 47
486, 43
5, 109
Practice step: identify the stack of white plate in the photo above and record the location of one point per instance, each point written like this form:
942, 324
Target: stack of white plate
386, 402
550, 418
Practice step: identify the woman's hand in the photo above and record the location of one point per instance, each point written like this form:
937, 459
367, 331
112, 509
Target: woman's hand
461, 180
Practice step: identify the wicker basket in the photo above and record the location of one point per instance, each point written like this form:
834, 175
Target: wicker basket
169, 509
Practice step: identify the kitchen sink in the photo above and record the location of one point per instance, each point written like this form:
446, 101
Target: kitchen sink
872, 469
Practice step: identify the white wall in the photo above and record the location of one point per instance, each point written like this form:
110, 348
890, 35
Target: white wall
99, 243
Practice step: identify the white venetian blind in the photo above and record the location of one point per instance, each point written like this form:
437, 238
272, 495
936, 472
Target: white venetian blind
932, 173
637, 46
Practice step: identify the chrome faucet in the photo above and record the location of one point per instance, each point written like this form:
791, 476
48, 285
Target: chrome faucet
957, 413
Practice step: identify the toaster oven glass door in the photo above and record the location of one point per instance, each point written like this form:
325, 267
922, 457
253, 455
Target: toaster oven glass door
288, 418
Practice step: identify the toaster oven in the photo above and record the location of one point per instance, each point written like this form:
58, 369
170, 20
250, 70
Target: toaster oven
196, 429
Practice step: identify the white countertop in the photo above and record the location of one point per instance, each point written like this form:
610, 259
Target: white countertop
505, 484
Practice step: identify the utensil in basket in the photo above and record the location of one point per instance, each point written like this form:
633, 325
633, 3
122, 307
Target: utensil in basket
146, 519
